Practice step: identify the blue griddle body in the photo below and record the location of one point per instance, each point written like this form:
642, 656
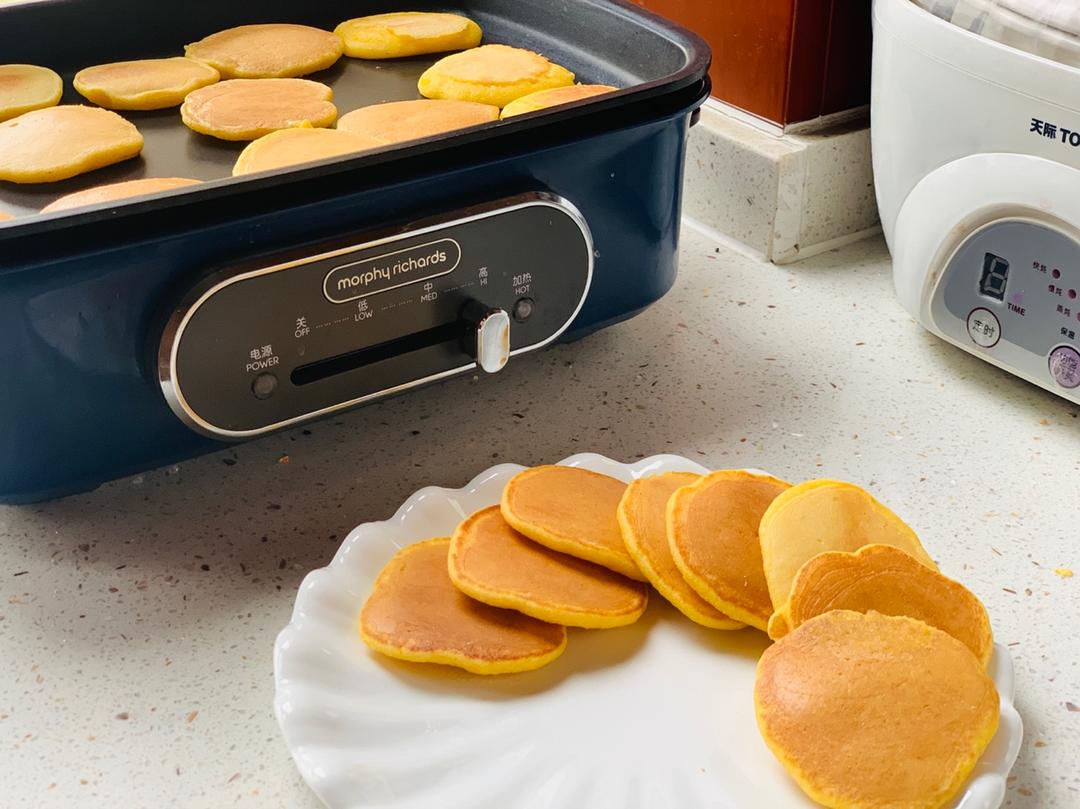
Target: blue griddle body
84, 297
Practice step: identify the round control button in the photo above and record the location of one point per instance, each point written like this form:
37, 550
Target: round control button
523, 309
264, 385
983, 328
1065, 366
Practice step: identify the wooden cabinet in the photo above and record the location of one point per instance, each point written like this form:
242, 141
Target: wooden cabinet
783, 60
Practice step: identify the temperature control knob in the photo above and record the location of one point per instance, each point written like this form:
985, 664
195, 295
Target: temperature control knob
491, 349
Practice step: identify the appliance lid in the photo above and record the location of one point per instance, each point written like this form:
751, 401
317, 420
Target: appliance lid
1046, 28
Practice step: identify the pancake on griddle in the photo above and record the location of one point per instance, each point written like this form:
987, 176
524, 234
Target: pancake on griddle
246, 109
268, 51
642, 518
492, 74
289, 147
870, 711
415, 613
144, 84
56, 143
493, 563
407, 33
24, 88
400, 121
572, 511
115, 191
544, 99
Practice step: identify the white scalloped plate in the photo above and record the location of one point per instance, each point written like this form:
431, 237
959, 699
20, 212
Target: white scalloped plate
658, 715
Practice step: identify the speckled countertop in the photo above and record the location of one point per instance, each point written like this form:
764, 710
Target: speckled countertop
136, 622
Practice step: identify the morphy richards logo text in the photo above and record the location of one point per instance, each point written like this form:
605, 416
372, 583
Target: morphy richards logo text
1054, 132
388, 271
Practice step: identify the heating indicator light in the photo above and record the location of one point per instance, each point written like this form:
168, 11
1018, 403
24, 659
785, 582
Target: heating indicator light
523, 309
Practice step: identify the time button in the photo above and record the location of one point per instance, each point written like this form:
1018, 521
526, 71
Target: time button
983, 328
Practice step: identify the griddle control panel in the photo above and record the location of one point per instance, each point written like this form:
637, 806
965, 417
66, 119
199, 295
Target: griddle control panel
258, 349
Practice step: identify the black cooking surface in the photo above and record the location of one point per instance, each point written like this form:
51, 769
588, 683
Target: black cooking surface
597, 39
173, 150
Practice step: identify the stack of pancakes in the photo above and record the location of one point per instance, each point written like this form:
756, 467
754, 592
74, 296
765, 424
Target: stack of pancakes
550, 554
875, 693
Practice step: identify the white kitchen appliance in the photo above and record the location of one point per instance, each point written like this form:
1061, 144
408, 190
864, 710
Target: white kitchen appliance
975, 122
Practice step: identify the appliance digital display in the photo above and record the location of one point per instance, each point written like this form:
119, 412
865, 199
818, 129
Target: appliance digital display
995, 275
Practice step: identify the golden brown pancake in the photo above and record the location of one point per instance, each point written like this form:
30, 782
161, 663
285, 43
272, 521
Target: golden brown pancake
60, 142
493, 563
400, 121
407, 33
572, 511
273, 51
884, 579
246, 109
826, 515
642, 518
28, 87
492, 74
873, 711
115, 191
289, 147
415, 613
143, 84
544, 99
712, 529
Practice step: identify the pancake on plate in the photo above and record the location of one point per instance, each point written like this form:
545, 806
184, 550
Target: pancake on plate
544, 99
642, 518
143, 84
826, 515
572, 511
24, 88
269, 51
407, 33
55, 143
399, 121
115, 191
493, 563
289, 147
873, 711
246, 109
415, 613
492, 74
712, 529
884, 579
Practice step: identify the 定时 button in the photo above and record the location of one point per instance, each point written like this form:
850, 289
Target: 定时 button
983, 328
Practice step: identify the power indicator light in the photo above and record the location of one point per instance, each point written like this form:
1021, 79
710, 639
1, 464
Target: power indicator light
264, 385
